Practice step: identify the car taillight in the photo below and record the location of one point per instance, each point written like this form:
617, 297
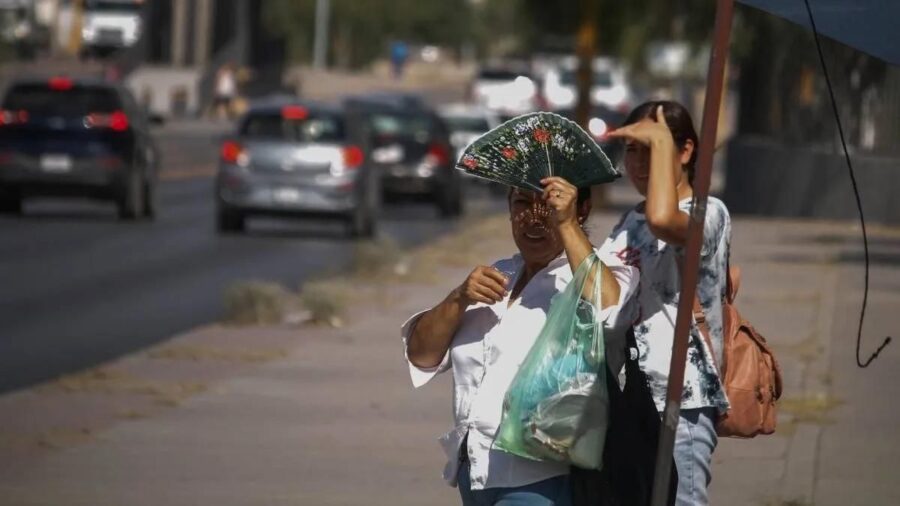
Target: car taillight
231, 151
60, 84
8, 117
116, 121
353, 157
439, 152
294, 112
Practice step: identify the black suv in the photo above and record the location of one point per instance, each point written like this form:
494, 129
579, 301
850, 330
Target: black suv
75, 137
408, 144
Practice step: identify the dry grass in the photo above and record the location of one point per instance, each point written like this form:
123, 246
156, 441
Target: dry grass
206, 353
103, 380
377, 259
257, 303
326, 302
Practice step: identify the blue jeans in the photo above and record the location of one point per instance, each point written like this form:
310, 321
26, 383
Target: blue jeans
552, 492
695, 440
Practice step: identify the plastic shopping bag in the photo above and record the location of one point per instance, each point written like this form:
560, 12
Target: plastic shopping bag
557, 405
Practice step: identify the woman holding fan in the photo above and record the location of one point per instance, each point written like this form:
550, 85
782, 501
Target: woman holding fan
486, 325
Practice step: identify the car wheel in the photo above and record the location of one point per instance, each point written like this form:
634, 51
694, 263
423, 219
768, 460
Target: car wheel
131, 200
229, 221
10, 203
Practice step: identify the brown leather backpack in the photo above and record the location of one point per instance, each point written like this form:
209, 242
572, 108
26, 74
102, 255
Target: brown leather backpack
749, 371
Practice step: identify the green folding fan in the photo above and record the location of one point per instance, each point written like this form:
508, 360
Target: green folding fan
533, 146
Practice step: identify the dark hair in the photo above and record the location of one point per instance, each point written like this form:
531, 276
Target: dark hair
679, 121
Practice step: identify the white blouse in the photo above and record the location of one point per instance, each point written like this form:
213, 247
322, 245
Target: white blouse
485, 354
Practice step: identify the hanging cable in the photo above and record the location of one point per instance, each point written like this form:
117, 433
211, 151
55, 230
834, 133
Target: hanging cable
862, 220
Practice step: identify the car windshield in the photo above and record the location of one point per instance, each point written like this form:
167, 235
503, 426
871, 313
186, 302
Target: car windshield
75, 101
399, 125
467, 124
500, 75
313, 128
113, 7
601, 78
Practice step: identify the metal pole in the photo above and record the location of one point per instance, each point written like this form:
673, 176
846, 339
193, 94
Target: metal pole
320, 46
714, 84
179, 32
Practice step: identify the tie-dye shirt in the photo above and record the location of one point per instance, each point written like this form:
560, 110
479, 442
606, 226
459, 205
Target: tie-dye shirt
655, 304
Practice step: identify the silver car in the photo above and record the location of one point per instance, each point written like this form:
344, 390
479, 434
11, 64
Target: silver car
297, 160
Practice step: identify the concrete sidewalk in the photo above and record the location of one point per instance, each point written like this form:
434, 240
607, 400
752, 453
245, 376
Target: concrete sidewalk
327, 416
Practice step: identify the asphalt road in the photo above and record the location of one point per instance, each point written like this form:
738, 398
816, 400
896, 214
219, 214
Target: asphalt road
78, 287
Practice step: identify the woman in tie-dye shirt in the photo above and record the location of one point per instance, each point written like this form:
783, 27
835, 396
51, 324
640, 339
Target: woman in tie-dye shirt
660, 152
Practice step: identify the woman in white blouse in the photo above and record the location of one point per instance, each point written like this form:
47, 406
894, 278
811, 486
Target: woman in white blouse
484, 328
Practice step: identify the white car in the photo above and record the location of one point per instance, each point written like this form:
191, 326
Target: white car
609, 85
505, 91
111, 24
466, 123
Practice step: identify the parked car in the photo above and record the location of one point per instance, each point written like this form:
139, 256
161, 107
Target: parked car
110, 24
76, 137
409, 145
466, 123
507, 91
296, 159
609, 85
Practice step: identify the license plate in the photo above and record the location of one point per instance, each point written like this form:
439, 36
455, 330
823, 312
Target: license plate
287, 195
56, 163
388, 154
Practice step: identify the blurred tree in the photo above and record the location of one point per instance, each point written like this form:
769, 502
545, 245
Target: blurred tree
361, 31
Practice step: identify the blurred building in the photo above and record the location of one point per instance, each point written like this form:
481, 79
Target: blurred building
187, 41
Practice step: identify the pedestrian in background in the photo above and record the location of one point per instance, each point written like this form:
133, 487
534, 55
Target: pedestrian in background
225, 91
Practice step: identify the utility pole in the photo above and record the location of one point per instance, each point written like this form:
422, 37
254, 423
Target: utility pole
179, 32
320, 46
586, 47
203, 16
714, 83
75, 26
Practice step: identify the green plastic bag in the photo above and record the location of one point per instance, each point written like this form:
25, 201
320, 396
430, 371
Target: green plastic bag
557, 406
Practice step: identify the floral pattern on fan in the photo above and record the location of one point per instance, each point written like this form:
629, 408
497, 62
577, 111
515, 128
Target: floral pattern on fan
528, 148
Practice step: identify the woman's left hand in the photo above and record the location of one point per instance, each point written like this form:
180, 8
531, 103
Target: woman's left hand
561, 196
646, 133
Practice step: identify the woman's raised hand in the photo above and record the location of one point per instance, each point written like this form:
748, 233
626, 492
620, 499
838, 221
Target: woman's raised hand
647, 133
562, 197
484, 284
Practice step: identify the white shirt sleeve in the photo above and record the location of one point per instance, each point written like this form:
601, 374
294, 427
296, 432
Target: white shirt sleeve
618, 316
420, 375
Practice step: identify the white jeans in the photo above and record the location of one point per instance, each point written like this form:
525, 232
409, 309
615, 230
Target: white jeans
695, 440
